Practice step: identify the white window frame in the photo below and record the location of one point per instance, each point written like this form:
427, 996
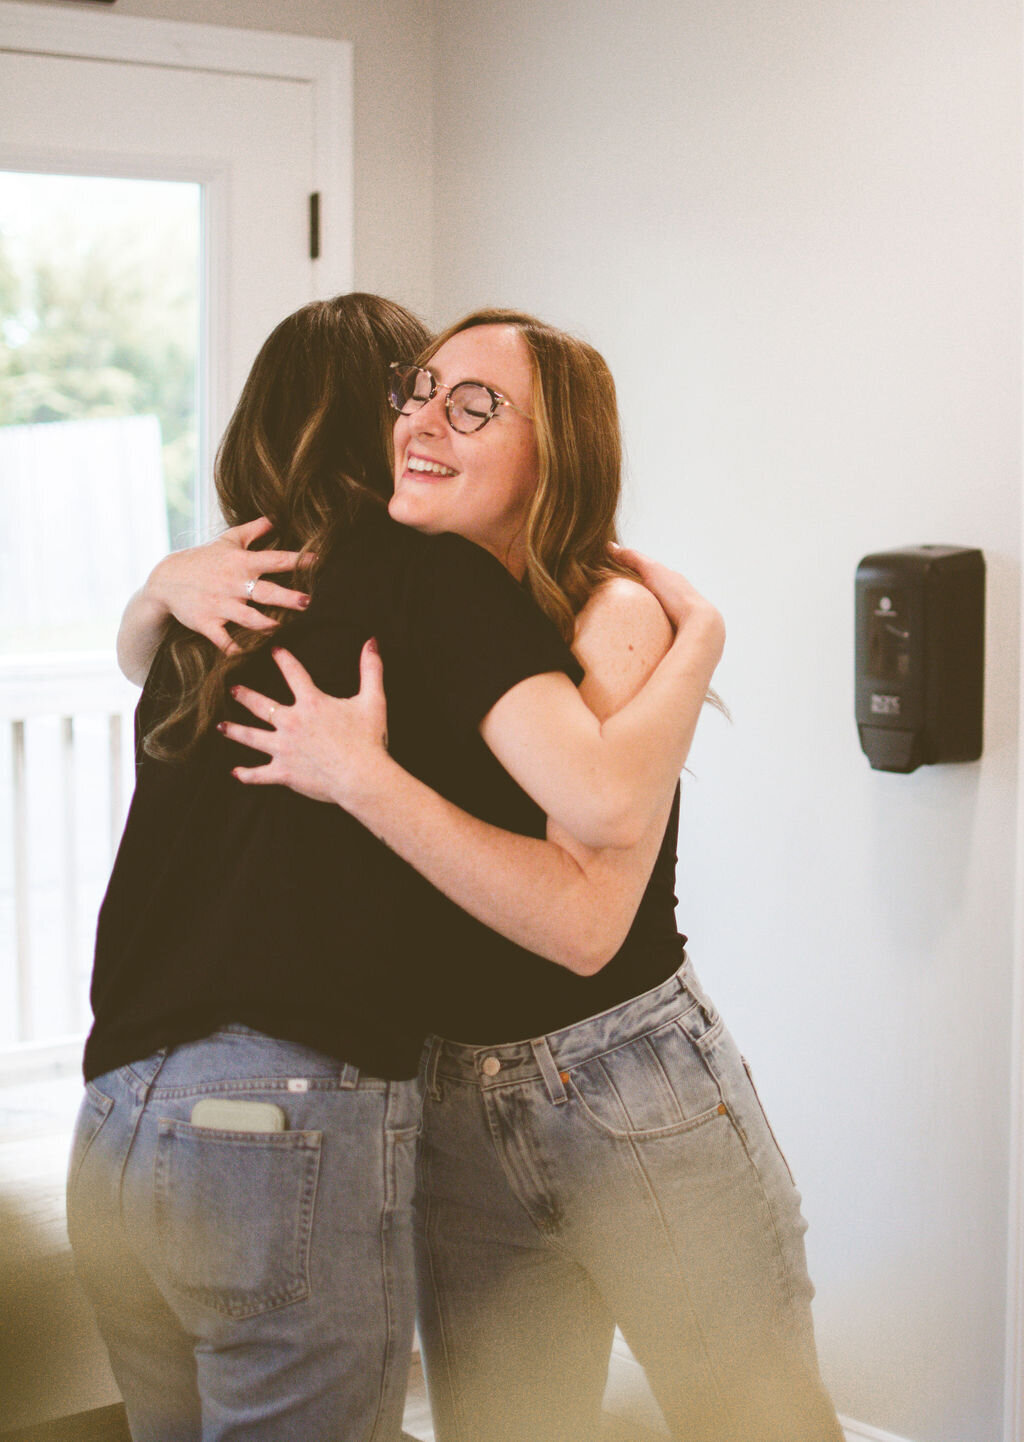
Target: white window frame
325, 64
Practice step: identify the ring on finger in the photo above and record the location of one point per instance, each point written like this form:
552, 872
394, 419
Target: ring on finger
270, 714
250, 586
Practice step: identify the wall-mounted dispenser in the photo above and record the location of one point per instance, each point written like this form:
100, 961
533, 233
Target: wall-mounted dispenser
920, 646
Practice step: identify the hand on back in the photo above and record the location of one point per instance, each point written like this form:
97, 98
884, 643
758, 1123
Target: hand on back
208, 586
329, 748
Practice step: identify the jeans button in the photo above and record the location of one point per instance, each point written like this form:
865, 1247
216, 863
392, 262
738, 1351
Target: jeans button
490, 1066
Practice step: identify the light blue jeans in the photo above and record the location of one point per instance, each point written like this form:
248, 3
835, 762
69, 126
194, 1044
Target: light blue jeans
618, 1171
252, 1285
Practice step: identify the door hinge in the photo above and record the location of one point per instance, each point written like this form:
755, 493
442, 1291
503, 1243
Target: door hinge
314, 225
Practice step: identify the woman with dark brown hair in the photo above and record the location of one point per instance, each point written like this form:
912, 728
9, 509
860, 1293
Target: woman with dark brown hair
593, 1150
240, 1186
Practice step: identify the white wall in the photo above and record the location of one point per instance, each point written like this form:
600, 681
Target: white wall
793, 229
393, 107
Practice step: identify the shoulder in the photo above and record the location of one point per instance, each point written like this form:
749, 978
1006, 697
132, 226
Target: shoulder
449, 549
446, 573
460, 599
621, 635
451, 555
623, 612
430, 574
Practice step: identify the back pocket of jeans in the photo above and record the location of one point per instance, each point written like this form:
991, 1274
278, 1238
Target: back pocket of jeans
234, 1214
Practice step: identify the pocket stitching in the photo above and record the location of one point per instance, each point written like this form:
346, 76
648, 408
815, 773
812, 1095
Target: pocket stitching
641, 1134
299, 1142
684, 1123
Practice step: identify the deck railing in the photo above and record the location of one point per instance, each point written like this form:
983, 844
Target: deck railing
68, 757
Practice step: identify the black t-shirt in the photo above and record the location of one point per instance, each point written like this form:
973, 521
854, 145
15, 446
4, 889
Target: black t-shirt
254, 905
485, 990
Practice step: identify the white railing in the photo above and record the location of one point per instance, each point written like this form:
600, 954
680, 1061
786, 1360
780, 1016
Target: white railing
68, 754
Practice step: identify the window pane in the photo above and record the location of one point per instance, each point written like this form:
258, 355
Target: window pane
99, 358
99, 319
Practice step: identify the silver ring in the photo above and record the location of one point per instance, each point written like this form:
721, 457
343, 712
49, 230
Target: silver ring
250, 586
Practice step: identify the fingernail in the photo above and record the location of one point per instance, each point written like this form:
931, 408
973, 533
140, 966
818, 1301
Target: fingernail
234, 690
222, 726
371, 645
304, 602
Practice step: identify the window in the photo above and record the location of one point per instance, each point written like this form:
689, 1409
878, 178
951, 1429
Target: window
99, 317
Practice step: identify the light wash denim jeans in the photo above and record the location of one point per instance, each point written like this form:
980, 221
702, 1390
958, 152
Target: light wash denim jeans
252, 1285
618, 1171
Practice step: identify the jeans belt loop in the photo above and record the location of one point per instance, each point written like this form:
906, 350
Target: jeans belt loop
548, 1070
692, 989
430, 1082
349, 1078
142, 1076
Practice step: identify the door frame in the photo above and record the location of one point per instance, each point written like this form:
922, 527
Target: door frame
1013, 1388
324, 64
1013, 1392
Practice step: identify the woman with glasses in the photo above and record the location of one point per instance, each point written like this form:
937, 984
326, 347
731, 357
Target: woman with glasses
240, 1186
593, 1150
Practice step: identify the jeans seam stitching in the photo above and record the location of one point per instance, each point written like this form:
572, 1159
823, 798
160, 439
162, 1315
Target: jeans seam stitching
670, 1090
388, 1180
105, 1109
780, 1250
454, 1396
666, 1232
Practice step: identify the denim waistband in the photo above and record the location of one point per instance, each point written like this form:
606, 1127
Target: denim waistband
547, 1056
238, 1053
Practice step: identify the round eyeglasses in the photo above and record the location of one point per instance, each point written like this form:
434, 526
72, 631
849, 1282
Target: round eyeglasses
469, 405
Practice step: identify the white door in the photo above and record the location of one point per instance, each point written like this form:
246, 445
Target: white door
253, 125
249, 139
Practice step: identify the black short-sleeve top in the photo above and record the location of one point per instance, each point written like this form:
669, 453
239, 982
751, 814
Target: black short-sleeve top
256, 906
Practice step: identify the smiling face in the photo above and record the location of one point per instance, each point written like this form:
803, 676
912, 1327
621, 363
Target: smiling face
481, 485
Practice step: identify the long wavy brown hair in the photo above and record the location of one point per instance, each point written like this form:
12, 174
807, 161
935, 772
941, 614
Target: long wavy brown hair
309, 445
579, 449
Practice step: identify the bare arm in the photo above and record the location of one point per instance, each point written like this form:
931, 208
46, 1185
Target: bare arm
581, 901
204, 588
604, 780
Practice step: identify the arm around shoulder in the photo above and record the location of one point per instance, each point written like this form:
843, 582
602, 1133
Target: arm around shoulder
140, 633
601, 776
621, 635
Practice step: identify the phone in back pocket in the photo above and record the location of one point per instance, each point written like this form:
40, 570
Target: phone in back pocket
232, 1114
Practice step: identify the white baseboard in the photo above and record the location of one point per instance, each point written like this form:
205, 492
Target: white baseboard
861, 1432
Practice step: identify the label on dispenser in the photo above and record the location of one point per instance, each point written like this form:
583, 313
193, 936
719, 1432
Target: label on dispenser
888, 642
